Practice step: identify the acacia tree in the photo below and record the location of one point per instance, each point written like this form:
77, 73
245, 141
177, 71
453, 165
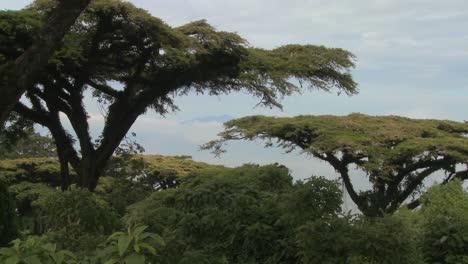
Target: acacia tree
115, 42
396, 153
21, 68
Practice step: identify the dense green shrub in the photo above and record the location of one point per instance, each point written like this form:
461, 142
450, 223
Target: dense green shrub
76, 219
325, 241
35, 250
445, 224
250, 214
316, 198
242, 215
25, 194
384, 240
8, 228
132, 247
120, 193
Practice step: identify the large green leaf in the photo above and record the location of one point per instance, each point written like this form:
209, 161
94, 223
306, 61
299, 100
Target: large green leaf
12, 260
123, 243
135, 259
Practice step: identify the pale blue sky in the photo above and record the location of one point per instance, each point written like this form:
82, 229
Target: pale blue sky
412, 61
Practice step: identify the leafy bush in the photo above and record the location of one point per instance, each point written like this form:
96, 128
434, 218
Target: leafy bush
325, 241
7, 216
35, 250
385, 240
25, 194
240, 215
132, 247
250, 214
316, 198
445, 224
76, 219
120, 193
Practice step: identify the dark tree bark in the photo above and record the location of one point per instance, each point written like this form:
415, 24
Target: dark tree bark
24, 71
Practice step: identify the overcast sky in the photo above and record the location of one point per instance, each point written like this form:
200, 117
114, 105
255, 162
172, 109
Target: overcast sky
412, 60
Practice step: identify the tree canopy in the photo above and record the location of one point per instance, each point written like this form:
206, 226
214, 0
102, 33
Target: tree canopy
21, 68
115, 42
396, 153
30, 145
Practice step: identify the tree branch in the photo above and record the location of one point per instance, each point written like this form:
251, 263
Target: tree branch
342, 168
23, 72
62, 139
411, 187
462, 175
36, 116
106, 89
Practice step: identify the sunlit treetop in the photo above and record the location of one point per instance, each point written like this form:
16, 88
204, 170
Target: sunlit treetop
391, 139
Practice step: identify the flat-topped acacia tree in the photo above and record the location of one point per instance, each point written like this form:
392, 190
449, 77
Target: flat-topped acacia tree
115, 42
396, 153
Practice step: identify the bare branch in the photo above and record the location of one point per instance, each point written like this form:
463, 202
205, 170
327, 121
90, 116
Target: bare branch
106, 89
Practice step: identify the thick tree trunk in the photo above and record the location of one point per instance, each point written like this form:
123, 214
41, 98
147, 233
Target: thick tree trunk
93, 162
90, 171
122, 115
89, 177
23, 73
64, 172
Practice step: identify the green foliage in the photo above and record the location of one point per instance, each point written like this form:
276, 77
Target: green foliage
358, 241
29, 145
305, 63
47, 170
131, 247
250, 214
17, 31
381, 240
35, 250
181, 165
15, 129
240, 215
35, 170
115, 42
25, 194
317, 198
220, 61
389, 141
76, 219
273, 178
7, 216
445, 224
397, 153
325, 241
130, 178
